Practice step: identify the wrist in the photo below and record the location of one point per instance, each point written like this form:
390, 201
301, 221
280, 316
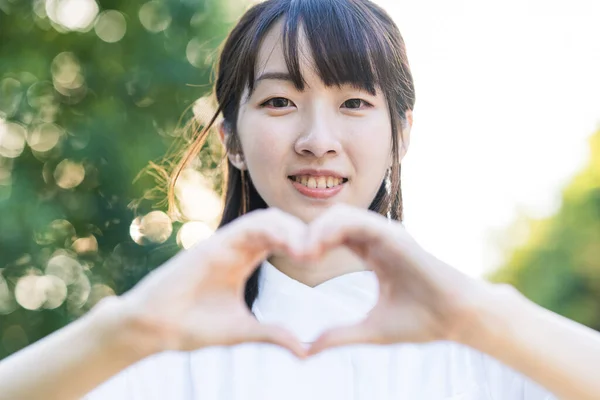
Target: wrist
487, 315
117, 326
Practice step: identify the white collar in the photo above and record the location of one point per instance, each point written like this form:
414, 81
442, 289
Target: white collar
308, 311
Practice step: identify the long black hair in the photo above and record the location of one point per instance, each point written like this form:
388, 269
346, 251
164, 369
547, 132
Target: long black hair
352, 42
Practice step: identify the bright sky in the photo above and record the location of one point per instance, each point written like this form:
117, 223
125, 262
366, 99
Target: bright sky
507, 94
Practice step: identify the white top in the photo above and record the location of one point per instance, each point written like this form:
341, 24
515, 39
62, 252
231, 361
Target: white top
434, 371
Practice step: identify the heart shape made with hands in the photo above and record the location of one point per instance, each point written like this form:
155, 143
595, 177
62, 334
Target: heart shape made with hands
191, 306
421, 298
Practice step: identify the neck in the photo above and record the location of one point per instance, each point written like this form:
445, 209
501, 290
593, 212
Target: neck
336, 262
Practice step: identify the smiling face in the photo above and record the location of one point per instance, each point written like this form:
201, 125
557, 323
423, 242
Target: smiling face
308, 149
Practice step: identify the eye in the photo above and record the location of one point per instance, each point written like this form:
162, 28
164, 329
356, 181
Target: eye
355, 104
278, 102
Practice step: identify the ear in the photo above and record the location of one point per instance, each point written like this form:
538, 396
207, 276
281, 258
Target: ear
406, 128
237, 159
222, 133
405, 139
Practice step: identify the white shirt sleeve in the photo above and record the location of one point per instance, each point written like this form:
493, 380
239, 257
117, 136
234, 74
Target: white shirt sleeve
506, 383
160, 376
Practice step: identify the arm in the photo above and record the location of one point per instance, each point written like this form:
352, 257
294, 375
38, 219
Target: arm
423, 299
75, 359
194, 300
559, 354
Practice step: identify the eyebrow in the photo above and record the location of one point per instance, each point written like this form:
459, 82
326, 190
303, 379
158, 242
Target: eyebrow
280, 76
285, 76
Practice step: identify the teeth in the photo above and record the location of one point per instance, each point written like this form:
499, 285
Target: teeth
320, 182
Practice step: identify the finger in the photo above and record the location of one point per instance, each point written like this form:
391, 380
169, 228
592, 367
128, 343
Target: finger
253, 236
266, 333
293, 231
345, 224
342, 336
272, 229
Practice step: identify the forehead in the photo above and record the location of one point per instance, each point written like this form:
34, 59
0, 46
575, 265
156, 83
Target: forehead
320, 51
271, 58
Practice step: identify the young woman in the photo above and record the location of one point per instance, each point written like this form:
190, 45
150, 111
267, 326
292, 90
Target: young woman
312, 276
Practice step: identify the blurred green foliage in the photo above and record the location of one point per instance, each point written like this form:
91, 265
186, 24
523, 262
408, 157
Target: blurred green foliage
90, 92
558, 266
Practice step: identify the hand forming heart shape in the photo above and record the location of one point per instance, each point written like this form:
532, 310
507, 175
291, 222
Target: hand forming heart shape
197, 298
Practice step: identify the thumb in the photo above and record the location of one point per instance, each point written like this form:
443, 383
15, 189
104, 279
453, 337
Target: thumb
341, 336
267, 333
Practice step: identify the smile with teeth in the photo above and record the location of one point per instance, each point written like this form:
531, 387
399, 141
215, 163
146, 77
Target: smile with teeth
318, 182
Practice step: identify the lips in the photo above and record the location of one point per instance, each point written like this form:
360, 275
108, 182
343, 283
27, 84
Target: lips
318, 184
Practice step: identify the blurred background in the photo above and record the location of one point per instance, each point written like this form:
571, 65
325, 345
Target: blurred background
502, 178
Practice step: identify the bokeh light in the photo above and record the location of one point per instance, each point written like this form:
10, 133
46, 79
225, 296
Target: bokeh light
204, 108
193, 232
29, 292
74, 15
197, 201
85, 245
64, 267
79, 291
98, 292
153, 228
199, 18
135, 230
44, 137
42, 98
66, 71
155, 16
69, 174
58, 232
54, 289
199, 53
12, 139
111, 26
67, 76
10, 96
7, 301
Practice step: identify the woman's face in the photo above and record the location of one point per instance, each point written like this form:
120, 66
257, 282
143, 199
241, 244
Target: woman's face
306, 150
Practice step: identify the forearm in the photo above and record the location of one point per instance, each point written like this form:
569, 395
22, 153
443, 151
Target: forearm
74, 360
561, 355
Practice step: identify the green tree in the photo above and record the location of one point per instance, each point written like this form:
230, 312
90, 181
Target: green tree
558, 266
90, 92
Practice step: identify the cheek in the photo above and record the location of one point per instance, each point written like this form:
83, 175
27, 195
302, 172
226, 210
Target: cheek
370, 143
263, 141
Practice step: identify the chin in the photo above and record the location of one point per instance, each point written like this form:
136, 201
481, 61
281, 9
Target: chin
308, 213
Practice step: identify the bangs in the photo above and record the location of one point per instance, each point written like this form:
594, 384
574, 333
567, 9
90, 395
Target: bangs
341, 44
344, 39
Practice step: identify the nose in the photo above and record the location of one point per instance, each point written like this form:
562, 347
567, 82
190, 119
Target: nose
318, 136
